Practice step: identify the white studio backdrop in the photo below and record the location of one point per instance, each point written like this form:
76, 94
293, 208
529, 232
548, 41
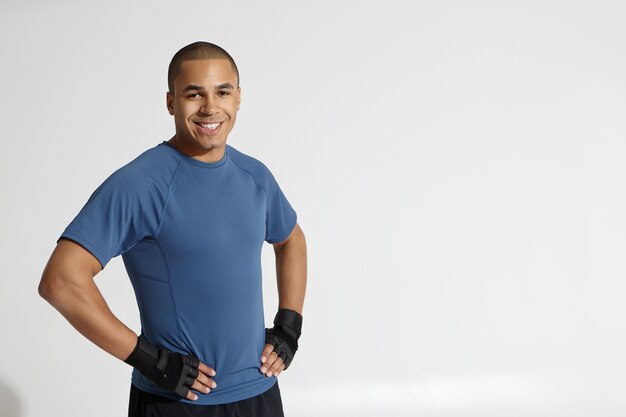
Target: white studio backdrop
457, 167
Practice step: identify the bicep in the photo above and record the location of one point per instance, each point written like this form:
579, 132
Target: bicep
70, 262
295, 235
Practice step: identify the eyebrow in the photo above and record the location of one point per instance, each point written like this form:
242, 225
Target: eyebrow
228, 86
192, 87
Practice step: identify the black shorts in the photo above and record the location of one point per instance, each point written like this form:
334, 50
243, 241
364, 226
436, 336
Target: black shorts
144, 404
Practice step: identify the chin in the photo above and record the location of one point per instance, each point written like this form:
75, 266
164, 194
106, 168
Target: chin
212, 143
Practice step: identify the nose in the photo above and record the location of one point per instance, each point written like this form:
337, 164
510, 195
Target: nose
208, 105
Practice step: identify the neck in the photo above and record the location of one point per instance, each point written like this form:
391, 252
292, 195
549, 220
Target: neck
213, 154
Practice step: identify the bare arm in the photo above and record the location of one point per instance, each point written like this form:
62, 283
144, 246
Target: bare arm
67, 283
291, 266
291, 270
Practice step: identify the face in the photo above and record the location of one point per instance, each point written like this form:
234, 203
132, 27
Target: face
204, 104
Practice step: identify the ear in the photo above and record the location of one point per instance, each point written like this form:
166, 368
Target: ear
169, 102
238, 97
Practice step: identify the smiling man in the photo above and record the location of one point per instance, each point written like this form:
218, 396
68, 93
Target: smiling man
189, 217
204, 98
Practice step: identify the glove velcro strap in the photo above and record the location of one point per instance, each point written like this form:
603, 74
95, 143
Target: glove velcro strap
289, 318
144, 355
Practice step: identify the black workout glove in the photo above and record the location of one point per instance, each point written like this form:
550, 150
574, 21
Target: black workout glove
285, 334
169, 370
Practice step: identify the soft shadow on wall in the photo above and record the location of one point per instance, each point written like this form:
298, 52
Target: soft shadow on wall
10, 405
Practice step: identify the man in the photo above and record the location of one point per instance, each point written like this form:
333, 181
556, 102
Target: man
189, 217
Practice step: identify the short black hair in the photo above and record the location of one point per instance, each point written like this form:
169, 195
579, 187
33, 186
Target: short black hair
195, 51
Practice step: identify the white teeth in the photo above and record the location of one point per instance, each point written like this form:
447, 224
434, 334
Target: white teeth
209, 125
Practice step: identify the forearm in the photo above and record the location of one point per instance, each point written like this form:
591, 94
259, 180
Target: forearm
291, 272
82, 304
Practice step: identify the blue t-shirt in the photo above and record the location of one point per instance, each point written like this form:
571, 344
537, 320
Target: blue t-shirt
190, 234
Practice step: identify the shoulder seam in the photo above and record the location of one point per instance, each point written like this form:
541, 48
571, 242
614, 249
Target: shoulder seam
167, 198
251, 176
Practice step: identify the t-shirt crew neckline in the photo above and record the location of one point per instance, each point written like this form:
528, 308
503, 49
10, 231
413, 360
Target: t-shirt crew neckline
195, 161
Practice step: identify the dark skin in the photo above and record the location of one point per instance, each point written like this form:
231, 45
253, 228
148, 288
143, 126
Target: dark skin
68, 280
291, 276
68, 284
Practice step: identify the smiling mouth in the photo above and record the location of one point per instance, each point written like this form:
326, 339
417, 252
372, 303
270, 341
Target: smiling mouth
209, 128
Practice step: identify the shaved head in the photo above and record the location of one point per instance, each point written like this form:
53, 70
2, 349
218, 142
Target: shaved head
196, 51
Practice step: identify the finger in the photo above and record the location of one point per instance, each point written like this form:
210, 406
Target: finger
206, 381
200, 387
278, 363
268, 363
266, 352
282, 368
192, 361
193, 373
206, 370
191, 396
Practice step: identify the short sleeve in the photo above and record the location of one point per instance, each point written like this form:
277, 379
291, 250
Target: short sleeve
117, 215
280, 216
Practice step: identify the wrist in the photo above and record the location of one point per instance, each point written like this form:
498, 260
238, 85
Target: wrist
290, 319
144, 356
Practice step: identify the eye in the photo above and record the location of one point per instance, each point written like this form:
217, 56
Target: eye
193, 96
223, 93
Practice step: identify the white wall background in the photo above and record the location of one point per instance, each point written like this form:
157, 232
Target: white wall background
458, 169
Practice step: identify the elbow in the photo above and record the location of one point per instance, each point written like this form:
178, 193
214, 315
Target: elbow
47, 287
51, 287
